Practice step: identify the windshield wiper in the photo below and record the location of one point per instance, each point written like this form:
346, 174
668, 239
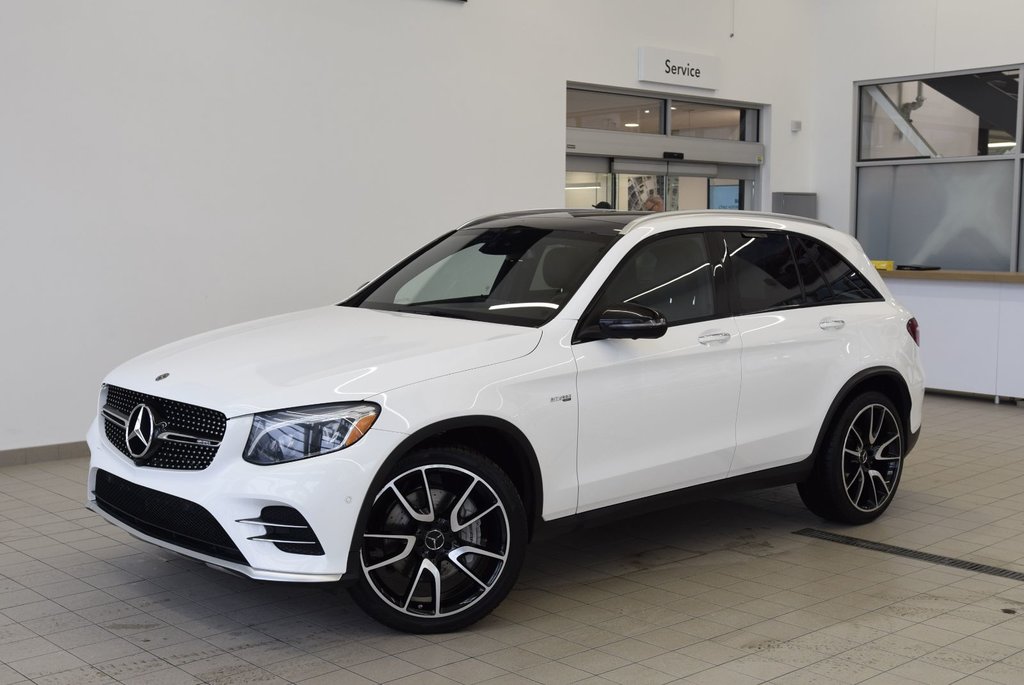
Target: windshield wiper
440, 312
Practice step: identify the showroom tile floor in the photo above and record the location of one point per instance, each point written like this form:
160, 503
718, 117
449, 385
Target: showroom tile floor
721, 592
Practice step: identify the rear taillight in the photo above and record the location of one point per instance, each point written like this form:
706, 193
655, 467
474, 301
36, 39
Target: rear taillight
914, 330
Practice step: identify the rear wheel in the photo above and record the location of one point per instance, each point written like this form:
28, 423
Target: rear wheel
859, 468
443, 544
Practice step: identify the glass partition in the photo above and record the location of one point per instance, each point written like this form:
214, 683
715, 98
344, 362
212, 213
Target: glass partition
725, 193
705, 121
964, 115
937, 160
613, 112
951, 215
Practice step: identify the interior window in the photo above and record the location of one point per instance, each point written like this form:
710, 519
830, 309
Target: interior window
764, 274
671, 275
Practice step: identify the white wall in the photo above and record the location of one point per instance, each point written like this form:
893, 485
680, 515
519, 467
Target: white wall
874, 39
171, 166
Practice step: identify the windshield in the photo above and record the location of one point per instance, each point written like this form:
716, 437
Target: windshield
518, 275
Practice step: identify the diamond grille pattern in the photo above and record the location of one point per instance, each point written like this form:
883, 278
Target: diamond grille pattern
179, 417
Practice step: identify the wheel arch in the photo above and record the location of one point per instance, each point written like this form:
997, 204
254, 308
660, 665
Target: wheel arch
883, 379
500, 440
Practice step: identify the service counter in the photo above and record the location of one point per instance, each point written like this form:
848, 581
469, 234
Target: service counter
972, 328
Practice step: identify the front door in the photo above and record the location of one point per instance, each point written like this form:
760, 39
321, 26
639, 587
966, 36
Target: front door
658, 415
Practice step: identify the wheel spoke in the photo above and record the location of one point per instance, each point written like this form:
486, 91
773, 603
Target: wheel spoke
860, 472
885, 444
458, 552
456, 527
857, 435
411, 510
410, 542
454, 518
875, 475
873, 432
426, 566
455, 559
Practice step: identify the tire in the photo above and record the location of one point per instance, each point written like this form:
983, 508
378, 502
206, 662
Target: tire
440, 564
858, 470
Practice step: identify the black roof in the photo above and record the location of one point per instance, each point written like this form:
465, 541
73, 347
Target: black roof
601, 221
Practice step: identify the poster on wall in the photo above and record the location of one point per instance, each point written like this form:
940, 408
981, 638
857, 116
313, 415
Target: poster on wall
646, 193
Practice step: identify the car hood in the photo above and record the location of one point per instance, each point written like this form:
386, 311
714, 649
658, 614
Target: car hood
329, 354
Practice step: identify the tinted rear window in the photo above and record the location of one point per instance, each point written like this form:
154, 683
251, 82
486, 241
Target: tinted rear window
764, 274
827, 276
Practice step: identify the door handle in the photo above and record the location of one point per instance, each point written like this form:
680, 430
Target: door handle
830, 324
710, 338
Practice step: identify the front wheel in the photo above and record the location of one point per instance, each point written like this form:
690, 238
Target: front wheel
856, 475
443, 544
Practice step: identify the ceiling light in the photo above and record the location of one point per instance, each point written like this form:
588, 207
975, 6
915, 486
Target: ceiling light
631, 125
647, 111
582, 186
1008, 143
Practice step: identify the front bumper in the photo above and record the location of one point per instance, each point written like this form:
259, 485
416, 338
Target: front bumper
328, 491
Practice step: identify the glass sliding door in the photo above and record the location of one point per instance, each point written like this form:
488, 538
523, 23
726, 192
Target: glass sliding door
584, 189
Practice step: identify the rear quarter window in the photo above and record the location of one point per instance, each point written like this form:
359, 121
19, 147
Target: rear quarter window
828, 278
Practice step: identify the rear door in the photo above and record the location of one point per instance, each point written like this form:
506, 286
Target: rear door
658, 415
801, 341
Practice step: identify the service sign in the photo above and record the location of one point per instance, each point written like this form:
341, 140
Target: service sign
688, 69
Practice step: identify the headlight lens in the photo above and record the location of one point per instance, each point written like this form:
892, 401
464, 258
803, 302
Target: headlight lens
292, 434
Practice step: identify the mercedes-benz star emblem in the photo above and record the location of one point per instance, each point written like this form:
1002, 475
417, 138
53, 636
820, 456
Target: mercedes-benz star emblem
434, 540
138, 434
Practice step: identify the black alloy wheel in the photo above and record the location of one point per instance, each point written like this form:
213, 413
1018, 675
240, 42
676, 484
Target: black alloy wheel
858, 471
443, 544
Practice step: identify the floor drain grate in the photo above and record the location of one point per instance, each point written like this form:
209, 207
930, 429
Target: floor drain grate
912, 554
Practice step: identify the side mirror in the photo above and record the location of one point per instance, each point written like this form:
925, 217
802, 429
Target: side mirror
632, 321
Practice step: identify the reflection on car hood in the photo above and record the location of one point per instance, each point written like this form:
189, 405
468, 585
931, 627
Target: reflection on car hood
323, 355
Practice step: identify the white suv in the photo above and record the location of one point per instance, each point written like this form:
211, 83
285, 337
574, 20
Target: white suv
525, 368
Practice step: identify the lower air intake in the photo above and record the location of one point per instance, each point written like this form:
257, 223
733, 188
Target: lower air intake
164, 517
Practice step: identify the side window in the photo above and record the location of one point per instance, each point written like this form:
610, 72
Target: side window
816, 287
764, 274
671, 275
845, 284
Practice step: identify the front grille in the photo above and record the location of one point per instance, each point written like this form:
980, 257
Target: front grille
164, 517
179, 418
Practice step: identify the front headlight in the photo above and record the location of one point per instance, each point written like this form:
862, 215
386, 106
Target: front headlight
292, 434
